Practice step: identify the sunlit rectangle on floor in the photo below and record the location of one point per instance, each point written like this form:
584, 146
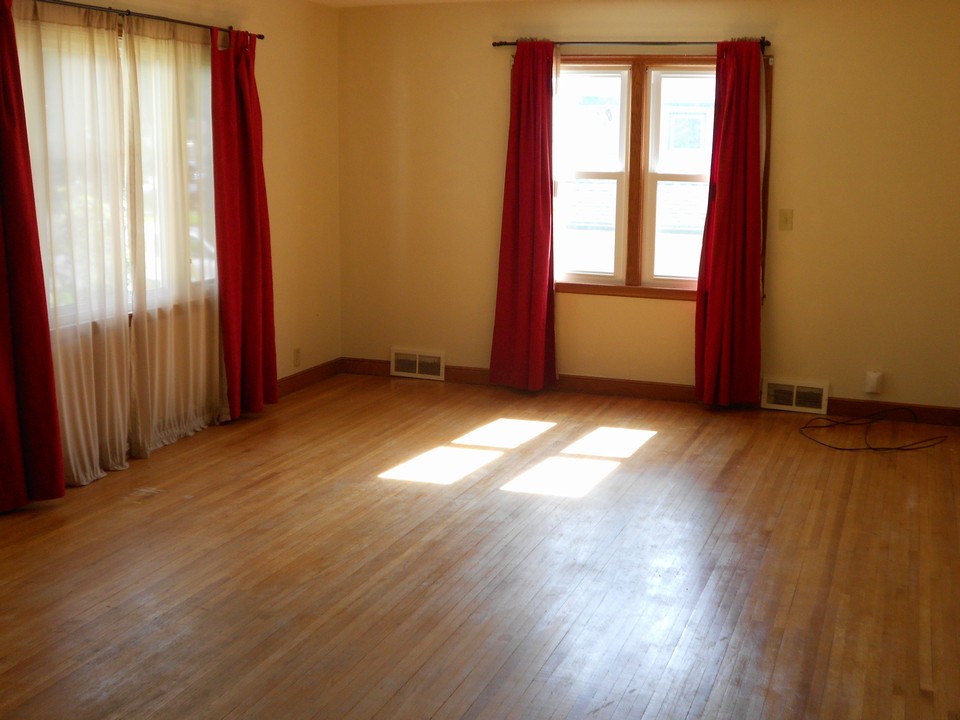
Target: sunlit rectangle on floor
442, 465
505, 433
562, 477
610, 442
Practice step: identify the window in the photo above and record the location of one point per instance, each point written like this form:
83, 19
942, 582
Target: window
121, 145
676, 175
632, 147
176, 162
591, 117
119, 121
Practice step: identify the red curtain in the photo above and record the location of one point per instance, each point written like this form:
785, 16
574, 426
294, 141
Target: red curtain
31, 460
523, 354
729, 288
243, 228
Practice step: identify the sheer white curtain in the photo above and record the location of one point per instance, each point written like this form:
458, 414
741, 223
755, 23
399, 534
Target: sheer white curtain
176, 316
71, 77
119, 126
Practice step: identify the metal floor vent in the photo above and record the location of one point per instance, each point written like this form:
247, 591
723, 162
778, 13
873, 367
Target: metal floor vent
416, 364
808, 396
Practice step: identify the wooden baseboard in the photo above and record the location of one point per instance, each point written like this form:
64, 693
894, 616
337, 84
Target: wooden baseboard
381, 368
361, 366
843, 407
928, 414
566, 383
310, 376
627, 388
467, 375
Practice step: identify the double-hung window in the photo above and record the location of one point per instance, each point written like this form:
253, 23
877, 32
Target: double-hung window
632, 149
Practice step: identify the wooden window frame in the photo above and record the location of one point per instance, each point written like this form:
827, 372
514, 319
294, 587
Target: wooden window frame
637, 150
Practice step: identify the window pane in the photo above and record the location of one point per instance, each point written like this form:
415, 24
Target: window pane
173, 83
686, 124
587, 131
585, 218
681, 211
71, 78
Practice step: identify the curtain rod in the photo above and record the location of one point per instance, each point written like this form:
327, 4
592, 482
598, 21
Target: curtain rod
131, 13
764, 43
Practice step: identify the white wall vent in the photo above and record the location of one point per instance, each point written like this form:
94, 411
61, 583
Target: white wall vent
808, 396
416, 364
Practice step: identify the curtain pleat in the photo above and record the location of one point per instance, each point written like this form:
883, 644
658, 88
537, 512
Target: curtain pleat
523, 351
729, 289
243, 228
32, 465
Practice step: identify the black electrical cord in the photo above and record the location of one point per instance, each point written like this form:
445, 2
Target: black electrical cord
867, 422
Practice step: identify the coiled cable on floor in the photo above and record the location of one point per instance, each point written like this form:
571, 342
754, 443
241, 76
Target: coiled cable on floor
867, 422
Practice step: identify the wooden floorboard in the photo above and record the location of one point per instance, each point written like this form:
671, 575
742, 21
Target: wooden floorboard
729, 568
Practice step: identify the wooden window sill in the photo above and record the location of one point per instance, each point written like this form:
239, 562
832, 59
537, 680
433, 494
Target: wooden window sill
625, 291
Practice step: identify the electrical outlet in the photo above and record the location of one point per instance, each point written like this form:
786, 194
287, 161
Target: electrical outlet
786, 220
296, 357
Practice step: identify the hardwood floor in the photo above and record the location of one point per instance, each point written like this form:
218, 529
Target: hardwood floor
729, 568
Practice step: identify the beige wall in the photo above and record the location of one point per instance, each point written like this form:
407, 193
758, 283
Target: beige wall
385, 128
298, 80
864, 151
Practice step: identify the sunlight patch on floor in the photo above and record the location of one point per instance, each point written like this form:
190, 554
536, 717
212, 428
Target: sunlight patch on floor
442, 465
570, 477
504, 433
610, 442
562, 477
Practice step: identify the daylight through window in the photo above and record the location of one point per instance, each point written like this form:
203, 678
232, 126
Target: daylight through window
632, 150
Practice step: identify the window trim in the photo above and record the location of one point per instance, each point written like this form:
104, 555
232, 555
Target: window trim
636, 155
